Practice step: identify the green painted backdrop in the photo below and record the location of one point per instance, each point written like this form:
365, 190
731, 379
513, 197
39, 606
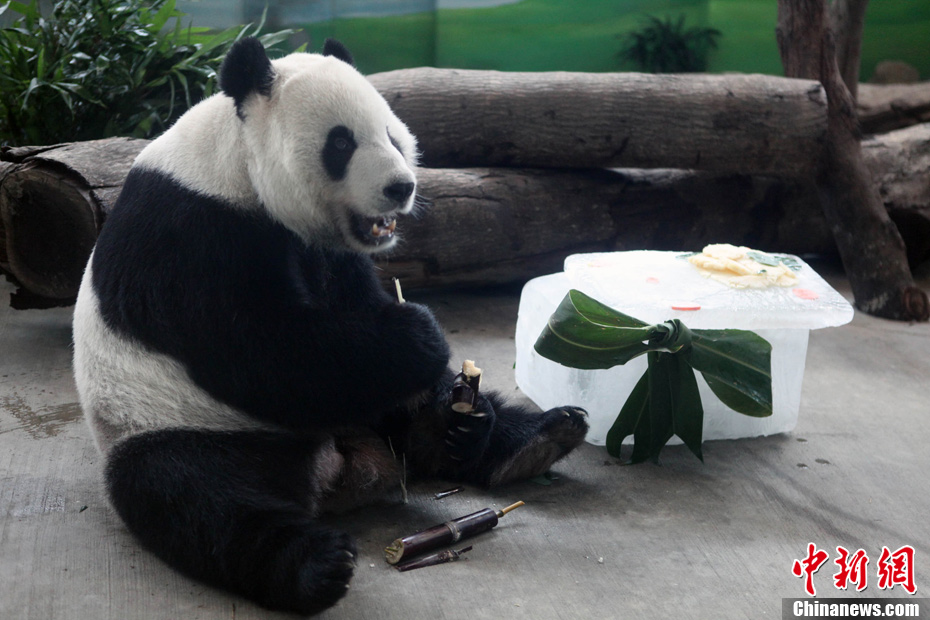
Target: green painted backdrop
583, 35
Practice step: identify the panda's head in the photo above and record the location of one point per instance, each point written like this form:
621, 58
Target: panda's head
325, 154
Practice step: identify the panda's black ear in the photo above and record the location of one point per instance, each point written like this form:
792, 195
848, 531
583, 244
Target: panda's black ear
334, 48
246, 70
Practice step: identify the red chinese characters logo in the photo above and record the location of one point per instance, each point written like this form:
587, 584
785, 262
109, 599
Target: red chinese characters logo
810, 565
852, 569
894, 568
897, 568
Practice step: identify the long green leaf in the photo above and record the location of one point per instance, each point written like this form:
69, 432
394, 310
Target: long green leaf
634, 409
33, 84
661, 402
274, 38
599, 313
738, 400
40, 64
737, 366
583, 333
687, 410
215, 41
162, 16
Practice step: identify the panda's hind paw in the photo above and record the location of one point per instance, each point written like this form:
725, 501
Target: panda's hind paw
566, 426
324, 576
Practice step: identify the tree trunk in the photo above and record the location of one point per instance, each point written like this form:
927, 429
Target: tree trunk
847, 17
719, 123
872, 250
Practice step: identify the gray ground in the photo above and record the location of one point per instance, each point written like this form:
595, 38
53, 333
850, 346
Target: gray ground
680, 540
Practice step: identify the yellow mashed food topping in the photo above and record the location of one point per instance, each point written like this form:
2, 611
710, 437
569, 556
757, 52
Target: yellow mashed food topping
735, 267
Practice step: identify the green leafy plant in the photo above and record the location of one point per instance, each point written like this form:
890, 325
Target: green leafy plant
584, 333
664, 46
101, 68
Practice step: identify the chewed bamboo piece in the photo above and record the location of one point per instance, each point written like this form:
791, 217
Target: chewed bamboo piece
449, 555
400, 293
465, 388
448, 492
444, 534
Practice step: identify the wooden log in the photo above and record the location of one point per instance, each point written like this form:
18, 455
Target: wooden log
722, 123
899, 163
496, 225
52, 204
486, 225
886, 107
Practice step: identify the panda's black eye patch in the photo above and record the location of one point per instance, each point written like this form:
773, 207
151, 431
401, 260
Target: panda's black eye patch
340, 145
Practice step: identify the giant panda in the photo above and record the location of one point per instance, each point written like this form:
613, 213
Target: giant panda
238, 362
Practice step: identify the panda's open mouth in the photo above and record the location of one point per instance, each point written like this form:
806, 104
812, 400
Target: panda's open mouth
373, 230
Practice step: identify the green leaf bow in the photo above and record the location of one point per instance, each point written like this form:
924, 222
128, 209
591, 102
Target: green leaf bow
584, 333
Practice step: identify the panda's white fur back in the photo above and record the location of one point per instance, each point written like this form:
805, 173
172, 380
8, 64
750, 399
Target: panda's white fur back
203, 151
126, 389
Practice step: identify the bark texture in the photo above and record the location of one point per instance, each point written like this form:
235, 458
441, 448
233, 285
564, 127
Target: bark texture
496, 225
899, 163
885, 107
719, 123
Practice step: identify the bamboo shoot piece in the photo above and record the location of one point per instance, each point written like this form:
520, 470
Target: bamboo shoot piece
449, 555
465, 388
444, 534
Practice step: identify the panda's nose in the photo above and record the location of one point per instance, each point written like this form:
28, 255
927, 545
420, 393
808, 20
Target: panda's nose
399, 192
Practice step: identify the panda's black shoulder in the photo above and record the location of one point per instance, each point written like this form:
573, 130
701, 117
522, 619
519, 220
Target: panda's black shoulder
169, 255
171, 262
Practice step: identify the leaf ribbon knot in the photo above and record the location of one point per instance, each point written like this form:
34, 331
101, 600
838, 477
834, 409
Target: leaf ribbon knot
736, 364
670, 337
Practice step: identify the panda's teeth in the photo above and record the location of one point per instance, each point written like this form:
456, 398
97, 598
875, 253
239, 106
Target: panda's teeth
384, 230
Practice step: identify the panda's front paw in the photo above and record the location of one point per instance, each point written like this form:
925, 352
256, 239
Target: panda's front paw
468, 433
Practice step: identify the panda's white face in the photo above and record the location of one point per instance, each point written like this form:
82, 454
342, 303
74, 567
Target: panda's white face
305, 137
327, 156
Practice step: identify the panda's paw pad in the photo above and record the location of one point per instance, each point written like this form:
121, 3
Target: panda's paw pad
325, 575
566, 426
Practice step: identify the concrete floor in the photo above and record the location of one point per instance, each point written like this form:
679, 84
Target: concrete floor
679, 540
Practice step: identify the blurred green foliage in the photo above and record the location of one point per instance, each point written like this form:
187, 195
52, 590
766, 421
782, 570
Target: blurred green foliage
100, 68
667, 46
